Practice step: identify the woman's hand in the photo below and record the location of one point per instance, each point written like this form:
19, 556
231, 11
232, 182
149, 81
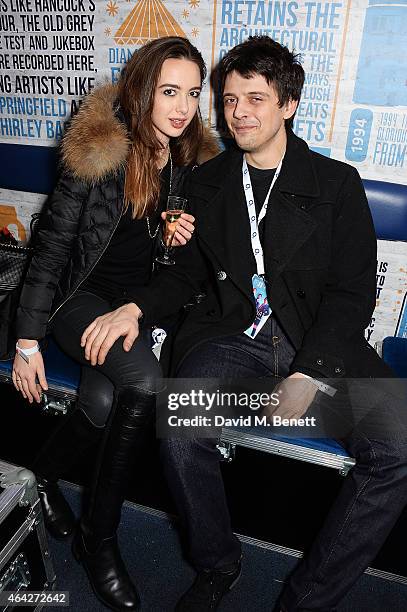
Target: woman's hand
99, 337
29, 378
184, 231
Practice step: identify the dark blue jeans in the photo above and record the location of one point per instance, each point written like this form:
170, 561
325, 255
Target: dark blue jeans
192, 466
372, 497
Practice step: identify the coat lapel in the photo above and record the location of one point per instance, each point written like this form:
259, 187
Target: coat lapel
223, 219
223, 222
286, 230
288, 225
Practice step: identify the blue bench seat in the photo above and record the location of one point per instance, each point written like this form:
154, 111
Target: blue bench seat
388, 203
63, 377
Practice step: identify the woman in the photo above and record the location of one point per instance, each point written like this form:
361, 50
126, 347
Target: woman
126, 150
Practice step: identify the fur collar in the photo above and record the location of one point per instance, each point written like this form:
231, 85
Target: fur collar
97, 143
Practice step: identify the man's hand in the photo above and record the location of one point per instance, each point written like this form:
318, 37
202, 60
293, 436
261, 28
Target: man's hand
29, 378
296, 394
99, 336
184, 231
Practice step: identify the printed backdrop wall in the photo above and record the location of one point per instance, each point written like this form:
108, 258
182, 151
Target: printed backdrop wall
354, 103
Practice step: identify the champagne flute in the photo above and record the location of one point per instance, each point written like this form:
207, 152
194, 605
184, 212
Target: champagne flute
175, 207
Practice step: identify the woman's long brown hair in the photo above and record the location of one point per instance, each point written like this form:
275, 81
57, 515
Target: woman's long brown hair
137, 88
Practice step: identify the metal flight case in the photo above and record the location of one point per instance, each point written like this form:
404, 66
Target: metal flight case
25, 560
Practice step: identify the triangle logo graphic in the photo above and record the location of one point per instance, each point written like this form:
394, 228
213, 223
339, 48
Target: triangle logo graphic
149, 20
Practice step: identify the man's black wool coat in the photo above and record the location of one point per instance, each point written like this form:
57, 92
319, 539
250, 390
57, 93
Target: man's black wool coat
320, 261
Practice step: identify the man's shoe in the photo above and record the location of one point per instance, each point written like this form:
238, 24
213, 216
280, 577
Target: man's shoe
208, 589
107, 573
58, 516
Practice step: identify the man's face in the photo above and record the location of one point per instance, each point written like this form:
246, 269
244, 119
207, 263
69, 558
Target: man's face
252, 113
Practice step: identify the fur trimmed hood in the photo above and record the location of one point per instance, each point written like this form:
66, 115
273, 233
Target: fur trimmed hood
97, 141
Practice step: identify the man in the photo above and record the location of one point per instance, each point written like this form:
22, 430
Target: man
310, 247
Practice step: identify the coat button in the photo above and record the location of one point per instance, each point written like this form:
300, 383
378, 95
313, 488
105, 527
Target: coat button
301, 293
221, 275
320, 362
338, 370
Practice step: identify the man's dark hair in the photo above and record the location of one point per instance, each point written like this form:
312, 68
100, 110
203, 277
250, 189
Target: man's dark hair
263, 55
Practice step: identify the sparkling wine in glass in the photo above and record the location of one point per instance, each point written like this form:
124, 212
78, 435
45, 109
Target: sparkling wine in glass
175, 207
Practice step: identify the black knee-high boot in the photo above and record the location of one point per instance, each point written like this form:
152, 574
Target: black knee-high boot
95, 544
74, 435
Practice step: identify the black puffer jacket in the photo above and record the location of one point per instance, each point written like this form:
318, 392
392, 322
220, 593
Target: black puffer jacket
80, 217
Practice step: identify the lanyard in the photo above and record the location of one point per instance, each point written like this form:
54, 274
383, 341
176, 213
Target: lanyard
251, 209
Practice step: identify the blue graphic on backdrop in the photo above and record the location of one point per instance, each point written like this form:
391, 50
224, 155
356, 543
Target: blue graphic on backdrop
382, 69
360, 125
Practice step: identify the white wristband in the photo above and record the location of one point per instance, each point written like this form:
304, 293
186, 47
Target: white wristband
26, 353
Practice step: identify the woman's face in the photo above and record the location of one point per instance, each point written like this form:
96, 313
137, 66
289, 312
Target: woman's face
176, 98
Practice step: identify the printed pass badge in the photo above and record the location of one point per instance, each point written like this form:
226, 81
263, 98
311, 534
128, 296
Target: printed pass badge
263, 310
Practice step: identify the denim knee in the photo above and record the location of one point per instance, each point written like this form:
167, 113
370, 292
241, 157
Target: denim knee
391, 452
383, 454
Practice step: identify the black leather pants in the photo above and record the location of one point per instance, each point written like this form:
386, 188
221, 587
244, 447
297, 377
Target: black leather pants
137, 368
128, 383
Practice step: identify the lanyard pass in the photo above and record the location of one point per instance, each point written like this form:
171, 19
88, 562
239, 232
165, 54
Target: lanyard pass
263, 310
251, 210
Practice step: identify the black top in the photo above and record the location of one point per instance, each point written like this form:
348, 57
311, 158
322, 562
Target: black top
261, 181
127, 262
